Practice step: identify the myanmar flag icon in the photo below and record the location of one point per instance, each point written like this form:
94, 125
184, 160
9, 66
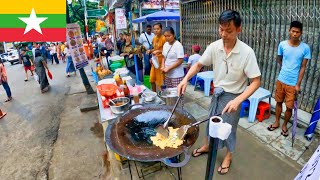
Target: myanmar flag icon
33, 20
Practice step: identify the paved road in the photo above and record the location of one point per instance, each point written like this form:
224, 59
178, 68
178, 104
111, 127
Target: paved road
30, 129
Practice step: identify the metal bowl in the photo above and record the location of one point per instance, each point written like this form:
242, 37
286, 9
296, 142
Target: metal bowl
149, 96
119, 109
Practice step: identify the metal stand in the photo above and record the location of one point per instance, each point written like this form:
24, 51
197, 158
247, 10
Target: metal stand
145, 171
212, 156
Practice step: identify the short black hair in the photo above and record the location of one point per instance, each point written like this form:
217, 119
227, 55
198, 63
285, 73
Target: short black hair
148, 26
37, 53
170, 30
230, 15
157, 24
296, 24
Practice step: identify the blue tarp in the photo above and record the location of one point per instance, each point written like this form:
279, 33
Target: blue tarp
313, 121
159, 16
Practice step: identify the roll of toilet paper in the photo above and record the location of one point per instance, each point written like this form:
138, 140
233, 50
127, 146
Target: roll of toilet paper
218, 129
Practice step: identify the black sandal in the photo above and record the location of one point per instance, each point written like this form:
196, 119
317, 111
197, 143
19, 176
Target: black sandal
194, 152
222, 168
9, 99
285, 133
271, 128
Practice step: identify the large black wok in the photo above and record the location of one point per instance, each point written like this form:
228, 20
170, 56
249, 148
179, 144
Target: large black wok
129, 135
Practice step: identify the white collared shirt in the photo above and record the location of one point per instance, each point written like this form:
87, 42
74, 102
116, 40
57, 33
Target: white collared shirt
143, 40
231, 72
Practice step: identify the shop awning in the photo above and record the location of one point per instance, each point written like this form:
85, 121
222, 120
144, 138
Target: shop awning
159, 16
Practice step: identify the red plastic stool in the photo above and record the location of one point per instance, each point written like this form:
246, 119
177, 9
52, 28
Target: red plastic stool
263, 111
211, 88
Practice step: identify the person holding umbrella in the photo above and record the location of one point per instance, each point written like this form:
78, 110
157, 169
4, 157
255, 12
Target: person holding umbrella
233, 62
293, 56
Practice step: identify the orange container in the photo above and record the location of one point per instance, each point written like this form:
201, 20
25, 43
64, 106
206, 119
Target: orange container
88, 50
107, 89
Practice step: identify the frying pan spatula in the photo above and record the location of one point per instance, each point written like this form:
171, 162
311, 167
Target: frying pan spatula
182, 131
163, 129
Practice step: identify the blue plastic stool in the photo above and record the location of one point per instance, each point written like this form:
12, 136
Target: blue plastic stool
193, 80
95, 77
254, 99
244, 108
200, 83
207, 77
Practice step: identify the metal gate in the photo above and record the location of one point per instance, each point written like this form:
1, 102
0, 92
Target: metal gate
265, 25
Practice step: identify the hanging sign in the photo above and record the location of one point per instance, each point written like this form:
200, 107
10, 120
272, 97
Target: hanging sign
121, 20
76, 48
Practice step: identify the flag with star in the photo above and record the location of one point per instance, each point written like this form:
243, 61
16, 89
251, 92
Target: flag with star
33, 20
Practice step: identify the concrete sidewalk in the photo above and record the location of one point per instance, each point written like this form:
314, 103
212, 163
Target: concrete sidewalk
260, 154
300, 152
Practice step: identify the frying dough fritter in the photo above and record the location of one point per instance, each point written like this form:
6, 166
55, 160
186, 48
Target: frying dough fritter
172, 141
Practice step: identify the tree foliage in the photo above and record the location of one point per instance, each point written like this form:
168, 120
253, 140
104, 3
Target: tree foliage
76, 11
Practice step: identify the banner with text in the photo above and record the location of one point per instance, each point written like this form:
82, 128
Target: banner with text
121, 20
75, 42
158, 4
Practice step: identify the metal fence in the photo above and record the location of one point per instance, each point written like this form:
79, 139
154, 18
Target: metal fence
265, 25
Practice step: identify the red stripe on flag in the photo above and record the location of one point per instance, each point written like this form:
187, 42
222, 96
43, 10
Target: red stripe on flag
17, 34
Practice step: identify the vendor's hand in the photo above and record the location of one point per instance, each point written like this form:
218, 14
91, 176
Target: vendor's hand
182, 87
232, 106
155, 52
165, 70
131, 55
297, 89
148, 51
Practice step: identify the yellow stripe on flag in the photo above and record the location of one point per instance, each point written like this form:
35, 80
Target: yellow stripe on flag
40, 6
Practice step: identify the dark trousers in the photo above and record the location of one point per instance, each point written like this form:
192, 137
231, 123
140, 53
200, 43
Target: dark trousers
55, 58
147, 65
6, 88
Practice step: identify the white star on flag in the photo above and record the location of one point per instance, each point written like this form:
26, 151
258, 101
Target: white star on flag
33, 22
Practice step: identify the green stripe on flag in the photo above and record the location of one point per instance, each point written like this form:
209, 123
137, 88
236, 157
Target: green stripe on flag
13, 21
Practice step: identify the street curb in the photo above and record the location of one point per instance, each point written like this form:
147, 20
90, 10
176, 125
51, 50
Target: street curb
89, 103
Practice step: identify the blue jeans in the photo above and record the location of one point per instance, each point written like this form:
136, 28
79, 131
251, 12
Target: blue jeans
6, 88
147, 65
70, 66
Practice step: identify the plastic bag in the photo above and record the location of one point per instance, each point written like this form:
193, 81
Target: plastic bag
36, 77
155, 62
49, 74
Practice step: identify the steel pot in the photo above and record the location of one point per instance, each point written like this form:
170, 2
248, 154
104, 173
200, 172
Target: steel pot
125, 103
169, 96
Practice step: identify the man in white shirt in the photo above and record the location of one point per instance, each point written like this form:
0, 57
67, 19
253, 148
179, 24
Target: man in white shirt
146, 40
233, 64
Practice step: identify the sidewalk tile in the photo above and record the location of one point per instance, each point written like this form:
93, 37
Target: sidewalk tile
204, 102
311, 149
263, 133
195, 110
243, 122
283, 144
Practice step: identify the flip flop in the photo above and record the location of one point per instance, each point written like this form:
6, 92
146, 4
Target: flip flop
271, 128
285, 133
222, 168
197, 152
9, 99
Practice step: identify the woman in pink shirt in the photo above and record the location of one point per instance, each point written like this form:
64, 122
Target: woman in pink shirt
4, 81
